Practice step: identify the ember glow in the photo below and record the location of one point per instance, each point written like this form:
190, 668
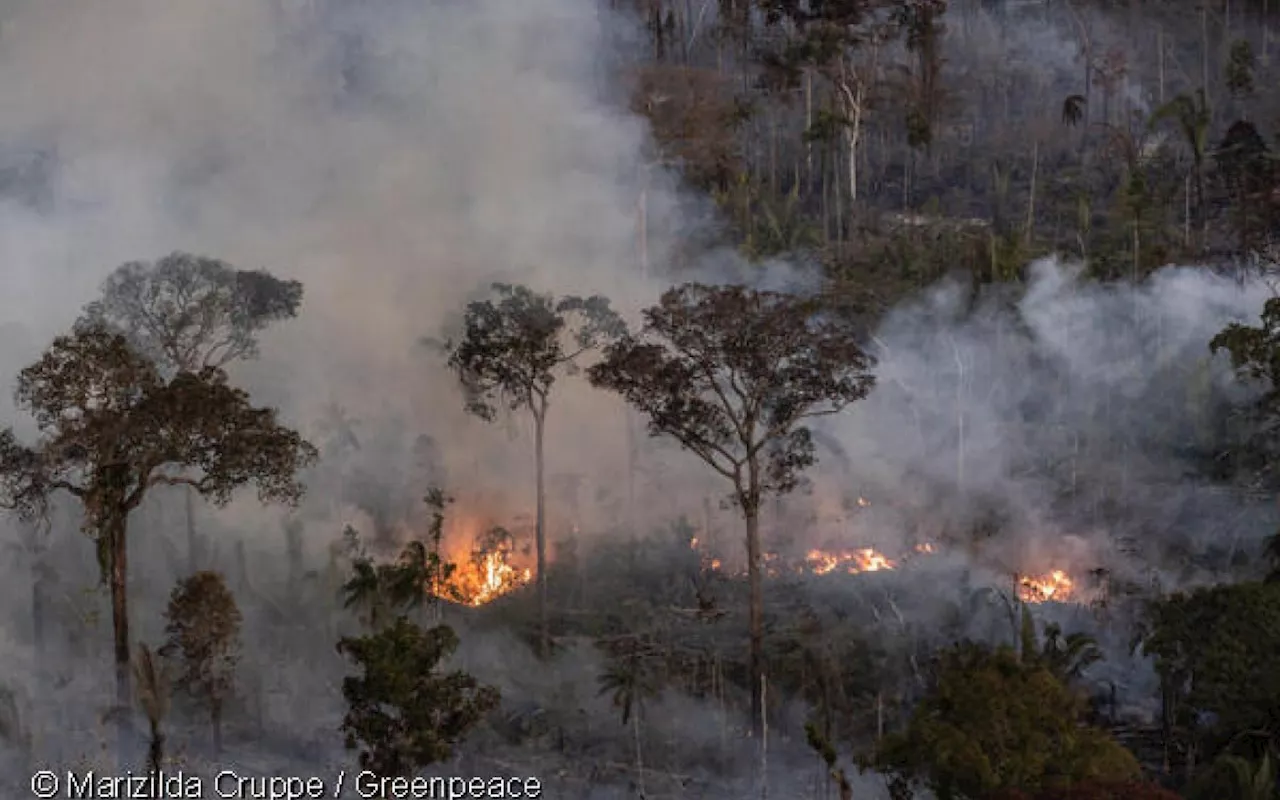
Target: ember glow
1056, 586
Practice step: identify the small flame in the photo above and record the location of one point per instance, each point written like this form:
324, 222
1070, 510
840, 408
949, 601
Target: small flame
1056, 586
853, 561
926, 548
862, 502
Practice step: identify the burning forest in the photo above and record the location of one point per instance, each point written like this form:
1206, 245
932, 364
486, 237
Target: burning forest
641, 399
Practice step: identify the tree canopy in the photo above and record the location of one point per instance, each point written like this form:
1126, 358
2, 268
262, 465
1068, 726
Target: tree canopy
111, 427
732, 373
513, 343
187, 311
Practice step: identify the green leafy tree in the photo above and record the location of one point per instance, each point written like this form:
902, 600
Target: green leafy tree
1255, 355
203, 633
511, 350
1215, 651
383, 592
112, 428
733, 374
403, 713
995, 723
187, 312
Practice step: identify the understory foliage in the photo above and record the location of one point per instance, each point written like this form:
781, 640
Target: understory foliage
381, 593
994, 722
404, 713
1215, 651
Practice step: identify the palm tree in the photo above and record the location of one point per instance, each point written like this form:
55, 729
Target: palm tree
1068, 657
1248, 780
630, 679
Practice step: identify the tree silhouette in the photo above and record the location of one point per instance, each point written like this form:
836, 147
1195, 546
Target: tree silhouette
111, 429
187, 312
733, 374
511, 350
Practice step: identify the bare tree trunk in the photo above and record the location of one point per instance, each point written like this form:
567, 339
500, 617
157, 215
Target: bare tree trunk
635, 730
215, 719
119, 574
37, 610
544, 631
808, 126
764, 739
755, 581
155, 750
1160, 59
1031, 201
852, 136
193, 541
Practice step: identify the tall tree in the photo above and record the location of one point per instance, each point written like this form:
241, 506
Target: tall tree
512, 348
732, 374
203, 631
187, 312
112, 428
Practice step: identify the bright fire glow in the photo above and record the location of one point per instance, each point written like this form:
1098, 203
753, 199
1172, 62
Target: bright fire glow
486, 577
852, 561
1056, 586
482, 563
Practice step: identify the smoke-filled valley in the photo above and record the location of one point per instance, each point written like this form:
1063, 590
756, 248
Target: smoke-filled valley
1031, 448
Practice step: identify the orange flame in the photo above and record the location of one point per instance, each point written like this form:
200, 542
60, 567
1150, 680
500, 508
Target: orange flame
483, 571
1056, 586
865, 559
